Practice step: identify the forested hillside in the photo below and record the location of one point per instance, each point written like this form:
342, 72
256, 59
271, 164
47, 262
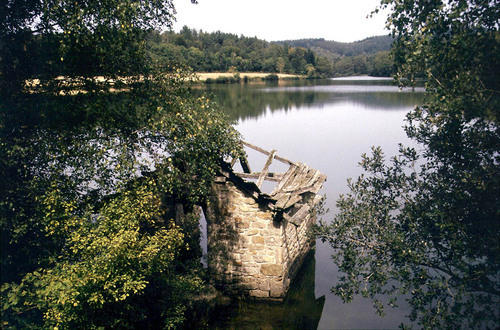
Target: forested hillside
367, 56
333, 49
222, 52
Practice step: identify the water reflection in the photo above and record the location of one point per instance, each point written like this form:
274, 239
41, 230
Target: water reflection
242, 102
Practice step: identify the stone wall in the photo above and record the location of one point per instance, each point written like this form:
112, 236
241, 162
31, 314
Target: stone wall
252, 251
296, 243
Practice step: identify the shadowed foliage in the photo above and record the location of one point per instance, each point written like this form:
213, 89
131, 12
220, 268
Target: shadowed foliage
99, 142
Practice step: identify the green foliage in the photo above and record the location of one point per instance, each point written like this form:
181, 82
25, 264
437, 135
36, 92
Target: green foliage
43, 39
225, 80
378, 65
332, 49
426, 225
108, 261
383, 65
93, 163
271, 77
208, 52
369, 56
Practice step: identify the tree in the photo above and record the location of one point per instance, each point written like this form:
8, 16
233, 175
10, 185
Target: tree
382, 64
426, 225
99, 143
344, 66
280, 64
324, 67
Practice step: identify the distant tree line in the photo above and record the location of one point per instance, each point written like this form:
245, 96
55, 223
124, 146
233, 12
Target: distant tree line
368, 56
218, 51
379, 64
331, 48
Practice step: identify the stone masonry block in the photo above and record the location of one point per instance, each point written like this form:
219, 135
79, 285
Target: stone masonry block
258, 240
258, 225
259, 293
272, 269
276, 289
263, 285
252, 232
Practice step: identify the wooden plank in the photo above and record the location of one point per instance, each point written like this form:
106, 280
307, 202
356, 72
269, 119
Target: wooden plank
300, 215
312, 186
292, 200
264, 171
244, 165
284, 160
233, 161
279, 196
270, 176
295, 183
319, 183
301, 190
316, 200
294, 176
285, 200
303, 179
248, 175
286, 216
314, 177
254, 147
285, 178
281, 201
277, 176
290, 193
265, 152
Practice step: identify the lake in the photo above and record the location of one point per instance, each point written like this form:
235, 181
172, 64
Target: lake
326, 124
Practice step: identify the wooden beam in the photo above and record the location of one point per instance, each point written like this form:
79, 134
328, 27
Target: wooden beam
316, 200
270, 176
244, 165
254, 147
293, 199
281, 201
264, 171
298, 179
265, 152
300, 215
284, 160
300, 190
233, 161
291, 171
314, 187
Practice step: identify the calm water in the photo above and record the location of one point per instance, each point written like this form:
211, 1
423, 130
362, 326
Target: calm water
326, 124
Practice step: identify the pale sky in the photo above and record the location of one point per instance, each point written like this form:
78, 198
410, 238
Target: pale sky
339, 20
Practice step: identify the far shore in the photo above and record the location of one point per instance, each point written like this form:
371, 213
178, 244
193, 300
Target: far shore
203, 76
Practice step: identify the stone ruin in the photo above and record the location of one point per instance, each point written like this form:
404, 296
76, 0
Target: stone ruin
256, 242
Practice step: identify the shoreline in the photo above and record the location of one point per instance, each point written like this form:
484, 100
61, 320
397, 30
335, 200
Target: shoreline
204, 76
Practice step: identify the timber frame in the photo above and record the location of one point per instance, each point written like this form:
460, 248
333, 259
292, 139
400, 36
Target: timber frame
296, 192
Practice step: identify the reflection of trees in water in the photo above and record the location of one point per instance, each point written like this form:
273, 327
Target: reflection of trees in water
251, 103
300, 310
243, 101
